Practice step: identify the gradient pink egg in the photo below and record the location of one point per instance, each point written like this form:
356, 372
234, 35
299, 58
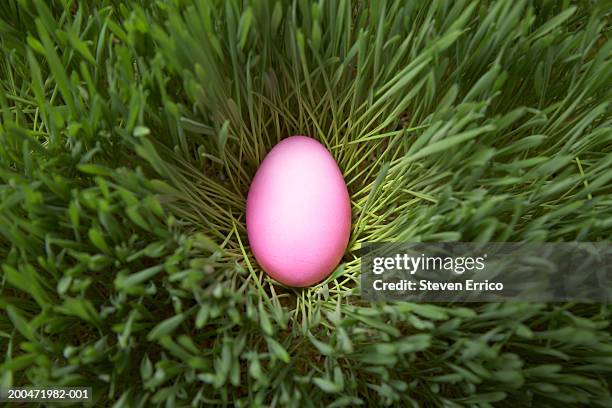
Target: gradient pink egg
298, 212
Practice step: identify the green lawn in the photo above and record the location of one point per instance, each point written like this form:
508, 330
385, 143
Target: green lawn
130, 131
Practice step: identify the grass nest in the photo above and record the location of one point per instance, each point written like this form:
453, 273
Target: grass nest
130, 132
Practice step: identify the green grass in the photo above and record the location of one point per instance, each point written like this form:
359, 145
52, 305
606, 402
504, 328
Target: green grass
129, 133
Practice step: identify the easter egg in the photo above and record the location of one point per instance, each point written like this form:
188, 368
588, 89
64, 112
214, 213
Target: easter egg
298, 212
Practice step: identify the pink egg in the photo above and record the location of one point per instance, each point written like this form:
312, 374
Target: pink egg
298, 212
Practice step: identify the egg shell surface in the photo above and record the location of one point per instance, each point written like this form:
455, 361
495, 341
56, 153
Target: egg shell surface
298, 212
